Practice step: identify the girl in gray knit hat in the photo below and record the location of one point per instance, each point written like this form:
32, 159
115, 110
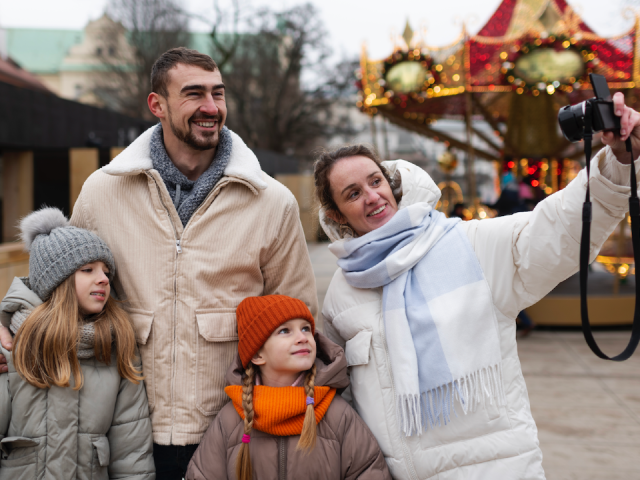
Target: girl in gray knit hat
73, 404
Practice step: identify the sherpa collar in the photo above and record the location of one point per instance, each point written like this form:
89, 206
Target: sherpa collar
136, 159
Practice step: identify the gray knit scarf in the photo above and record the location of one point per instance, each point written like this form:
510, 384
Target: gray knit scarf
86, 333
187, 195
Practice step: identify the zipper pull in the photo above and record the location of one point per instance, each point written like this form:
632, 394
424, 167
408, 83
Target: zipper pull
178, 247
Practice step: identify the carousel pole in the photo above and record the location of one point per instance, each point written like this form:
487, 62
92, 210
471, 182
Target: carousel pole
374, 134
385, 139
471, 154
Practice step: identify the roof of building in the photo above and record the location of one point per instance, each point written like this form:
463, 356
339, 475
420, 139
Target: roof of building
12, 74
34, 119
41, 51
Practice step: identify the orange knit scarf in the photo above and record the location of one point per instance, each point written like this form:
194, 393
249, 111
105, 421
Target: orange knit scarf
280, 410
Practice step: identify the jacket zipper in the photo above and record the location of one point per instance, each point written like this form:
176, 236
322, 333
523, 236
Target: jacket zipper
405, 450
282, 456
175, 281
175, 301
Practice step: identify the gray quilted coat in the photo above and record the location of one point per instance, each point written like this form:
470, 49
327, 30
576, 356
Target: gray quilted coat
101, 431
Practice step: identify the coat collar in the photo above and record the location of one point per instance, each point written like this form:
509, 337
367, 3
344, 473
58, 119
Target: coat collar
414, 184
136, 159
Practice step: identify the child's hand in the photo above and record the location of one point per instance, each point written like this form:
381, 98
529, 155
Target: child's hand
7, 342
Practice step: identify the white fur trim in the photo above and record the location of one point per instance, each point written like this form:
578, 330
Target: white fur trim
244, 164
136, 159
41, 222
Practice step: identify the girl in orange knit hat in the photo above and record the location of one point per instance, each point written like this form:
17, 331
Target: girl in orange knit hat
285, 419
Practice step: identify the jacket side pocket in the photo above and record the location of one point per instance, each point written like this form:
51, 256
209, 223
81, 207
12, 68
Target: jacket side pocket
100, 458
357, 349
142, 324
217, 347
19, 458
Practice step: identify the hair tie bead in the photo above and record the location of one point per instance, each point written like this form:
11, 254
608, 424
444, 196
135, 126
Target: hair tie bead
246, 438
310, 401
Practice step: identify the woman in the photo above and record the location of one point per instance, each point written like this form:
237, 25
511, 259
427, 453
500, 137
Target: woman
425, 306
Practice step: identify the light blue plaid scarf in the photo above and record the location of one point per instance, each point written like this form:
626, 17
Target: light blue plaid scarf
440, 326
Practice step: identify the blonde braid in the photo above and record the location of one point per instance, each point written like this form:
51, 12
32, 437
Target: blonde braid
244, 469
308, 435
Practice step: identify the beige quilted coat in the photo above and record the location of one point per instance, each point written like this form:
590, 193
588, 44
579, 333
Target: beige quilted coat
183, 284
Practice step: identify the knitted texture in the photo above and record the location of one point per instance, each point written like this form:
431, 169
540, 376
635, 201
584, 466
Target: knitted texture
280, 410
258, 317
86, 333
56, 255
192, 193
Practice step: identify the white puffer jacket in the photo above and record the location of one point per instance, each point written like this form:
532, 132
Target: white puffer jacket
523, 257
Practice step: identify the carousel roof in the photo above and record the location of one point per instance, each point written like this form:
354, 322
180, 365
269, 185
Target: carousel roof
531, 47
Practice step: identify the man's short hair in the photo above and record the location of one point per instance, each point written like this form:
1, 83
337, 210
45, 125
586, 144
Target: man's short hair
171, 58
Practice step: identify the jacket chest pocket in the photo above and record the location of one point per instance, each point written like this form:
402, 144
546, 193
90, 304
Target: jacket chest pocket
19, 458
216, 348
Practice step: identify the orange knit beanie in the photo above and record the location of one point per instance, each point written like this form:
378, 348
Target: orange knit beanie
258, 317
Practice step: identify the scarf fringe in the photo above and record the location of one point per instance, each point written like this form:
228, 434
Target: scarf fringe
418, 413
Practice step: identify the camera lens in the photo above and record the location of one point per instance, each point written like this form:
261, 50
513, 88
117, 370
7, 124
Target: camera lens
571, 119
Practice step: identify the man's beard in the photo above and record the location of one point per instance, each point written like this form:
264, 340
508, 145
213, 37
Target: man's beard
210, 139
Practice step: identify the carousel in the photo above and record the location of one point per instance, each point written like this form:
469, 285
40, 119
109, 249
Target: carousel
530, 59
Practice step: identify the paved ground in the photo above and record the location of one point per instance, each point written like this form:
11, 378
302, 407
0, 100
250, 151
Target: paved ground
587, 410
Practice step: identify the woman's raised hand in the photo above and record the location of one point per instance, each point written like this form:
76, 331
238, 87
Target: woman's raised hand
629, 126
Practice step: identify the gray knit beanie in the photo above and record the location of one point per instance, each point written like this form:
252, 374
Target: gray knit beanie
57, 250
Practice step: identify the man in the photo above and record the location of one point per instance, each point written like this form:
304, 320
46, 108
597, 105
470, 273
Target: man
195, 227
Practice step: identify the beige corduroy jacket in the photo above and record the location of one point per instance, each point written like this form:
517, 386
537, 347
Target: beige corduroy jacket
182, 285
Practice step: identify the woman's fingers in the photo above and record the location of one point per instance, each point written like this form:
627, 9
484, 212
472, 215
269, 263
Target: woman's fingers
618, 103
608, 138
626, 124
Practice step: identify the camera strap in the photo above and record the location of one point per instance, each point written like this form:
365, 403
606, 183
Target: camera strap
585, 244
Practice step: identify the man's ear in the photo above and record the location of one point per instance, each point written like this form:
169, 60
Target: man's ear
258, 359
156, 105
336, 216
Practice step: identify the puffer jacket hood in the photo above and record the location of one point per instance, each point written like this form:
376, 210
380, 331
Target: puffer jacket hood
408, 181
19, 297
331, 366
345, 448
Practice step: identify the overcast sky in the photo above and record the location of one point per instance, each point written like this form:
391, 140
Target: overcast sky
349, 22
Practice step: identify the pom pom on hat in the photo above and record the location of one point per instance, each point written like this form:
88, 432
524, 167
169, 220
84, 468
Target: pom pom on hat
41, 222
57, 249
258, 317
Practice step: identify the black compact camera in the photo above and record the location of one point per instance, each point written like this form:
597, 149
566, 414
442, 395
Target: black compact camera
599, 109
578, 122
